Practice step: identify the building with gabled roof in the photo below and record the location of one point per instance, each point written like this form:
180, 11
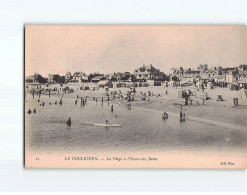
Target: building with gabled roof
98, 79
80, 77
145, 73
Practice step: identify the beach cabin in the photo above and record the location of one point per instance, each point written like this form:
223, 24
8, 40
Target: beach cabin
165, 83
234, 86
116, 84
182, 94
243, 83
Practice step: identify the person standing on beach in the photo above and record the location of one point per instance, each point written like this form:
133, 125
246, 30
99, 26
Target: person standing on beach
236, 101
186, 101
112, 108
202, 87
181, 113
33, 93
183, 119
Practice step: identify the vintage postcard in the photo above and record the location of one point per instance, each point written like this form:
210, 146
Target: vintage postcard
127, 96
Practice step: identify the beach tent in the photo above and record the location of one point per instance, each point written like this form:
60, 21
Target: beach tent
243, 93
243, 96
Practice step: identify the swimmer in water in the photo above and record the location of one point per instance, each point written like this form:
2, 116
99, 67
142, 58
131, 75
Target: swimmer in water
29, 111
69, 122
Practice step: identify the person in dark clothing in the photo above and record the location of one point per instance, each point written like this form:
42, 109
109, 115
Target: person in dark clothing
202, 87
107, 122
34, 110
186, 101
69, 122
29, 111
164, 116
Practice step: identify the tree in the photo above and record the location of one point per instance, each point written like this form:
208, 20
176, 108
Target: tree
39, 78
61, 79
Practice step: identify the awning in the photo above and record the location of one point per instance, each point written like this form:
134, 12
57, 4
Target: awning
102, 82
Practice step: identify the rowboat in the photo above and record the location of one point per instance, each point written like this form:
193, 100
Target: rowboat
105, 125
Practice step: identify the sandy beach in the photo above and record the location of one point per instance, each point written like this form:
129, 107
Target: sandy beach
218, 111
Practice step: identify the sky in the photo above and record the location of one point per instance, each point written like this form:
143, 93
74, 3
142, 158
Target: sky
107, 49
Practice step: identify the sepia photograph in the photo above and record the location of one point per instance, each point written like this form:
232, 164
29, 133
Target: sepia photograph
135, 96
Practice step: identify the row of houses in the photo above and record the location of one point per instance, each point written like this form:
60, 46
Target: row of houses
153, 76
231, 76
142, 74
